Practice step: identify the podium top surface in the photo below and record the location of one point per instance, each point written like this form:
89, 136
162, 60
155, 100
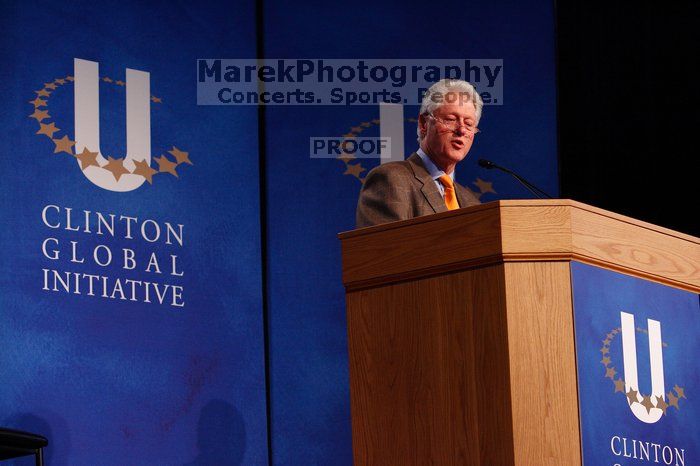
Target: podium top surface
519, 230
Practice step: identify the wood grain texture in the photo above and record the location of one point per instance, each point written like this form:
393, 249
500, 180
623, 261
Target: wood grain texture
511, 231
535, 230
429, 371
544, 390
427, 243
636, 248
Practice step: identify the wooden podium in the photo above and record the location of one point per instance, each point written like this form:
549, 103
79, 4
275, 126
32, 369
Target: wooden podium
450, 317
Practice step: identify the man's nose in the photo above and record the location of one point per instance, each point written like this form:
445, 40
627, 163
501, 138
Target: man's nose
461, 130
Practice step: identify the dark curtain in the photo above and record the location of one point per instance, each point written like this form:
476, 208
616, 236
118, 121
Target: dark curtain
628, 108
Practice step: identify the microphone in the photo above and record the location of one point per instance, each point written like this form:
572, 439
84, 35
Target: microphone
531, 187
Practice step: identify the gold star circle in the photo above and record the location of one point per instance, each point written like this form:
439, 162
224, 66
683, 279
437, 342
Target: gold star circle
88, 158
631, 394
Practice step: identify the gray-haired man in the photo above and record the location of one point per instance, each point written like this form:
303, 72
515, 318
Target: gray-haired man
424, 183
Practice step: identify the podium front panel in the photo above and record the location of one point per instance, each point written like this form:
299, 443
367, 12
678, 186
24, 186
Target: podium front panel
637, 345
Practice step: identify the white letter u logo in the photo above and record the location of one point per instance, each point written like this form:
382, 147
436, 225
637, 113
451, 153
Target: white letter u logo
87, 124
656, 360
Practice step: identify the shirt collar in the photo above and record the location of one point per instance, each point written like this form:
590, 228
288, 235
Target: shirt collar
433, 170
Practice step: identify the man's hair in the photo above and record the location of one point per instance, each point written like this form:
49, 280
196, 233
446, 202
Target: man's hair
434, 97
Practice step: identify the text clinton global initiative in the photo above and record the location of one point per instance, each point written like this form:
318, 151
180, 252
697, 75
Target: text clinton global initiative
93, 247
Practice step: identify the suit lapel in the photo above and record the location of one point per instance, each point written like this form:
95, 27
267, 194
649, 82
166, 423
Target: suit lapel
429, 189
466, 196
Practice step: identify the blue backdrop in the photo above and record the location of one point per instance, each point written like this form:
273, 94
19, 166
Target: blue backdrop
112, 381
311, 200
142, 383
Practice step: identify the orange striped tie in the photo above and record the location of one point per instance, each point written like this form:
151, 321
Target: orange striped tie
450, 197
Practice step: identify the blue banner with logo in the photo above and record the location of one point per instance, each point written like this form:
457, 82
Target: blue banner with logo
312, 198
636, 347
130, 293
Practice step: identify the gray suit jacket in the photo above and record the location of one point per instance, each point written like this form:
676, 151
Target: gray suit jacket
402, 190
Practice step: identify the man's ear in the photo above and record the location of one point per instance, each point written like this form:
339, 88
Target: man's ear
423, 124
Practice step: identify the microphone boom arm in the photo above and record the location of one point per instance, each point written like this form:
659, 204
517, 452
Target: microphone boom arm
531, 187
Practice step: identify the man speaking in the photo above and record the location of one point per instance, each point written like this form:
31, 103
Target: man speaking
424, 183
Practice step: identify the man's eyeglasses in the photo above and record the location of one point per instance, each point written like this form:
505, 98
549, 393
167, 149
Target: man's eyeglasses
453, 124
